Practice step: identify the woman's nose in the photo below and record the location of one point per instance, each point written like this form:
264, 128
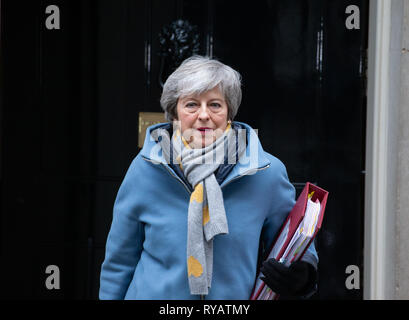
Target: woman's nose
203, 112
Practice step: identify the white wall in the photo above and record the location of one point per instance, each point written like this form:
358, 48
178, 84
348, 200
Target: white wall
402, 200
386, 244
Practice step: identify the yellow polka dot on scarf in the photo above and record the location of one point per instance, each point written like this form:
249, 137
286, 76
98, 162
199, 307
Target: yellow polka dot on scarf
194, 267
206, 216
197, 194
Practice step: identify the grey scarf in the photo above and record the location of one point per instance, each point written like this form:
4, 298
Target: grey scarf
206, 213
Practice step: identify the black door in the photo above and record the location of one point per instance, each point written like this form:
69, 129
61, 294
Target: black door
69, 120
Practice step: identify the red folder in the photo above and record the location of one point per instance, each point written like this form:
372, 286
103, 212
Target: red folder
291, 224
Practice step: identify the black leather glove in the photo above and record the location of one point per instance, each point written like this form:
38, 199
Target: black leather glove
296, 280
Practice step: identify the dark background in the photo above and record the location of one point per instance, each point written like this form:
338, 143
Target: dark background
70, 100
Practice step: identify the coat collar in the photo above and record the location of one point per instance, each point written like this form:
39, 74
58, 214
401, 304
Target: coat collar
254, 159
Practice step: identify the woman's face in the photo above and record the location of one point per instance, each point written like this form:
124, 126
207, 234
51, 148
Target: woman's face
202, 118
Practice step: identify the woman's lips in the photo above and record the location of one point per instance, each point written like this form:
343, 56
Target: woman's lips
204, 130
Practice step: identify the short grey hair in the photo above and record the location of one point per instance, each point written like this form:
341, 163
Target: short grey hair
197, 75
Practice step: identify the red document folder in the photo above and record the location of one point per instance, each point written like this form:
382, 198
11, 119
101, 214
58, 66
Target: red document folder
290, 226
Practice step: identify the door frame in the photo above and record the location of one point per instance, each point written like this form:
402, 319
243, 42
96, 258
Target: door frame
381, 148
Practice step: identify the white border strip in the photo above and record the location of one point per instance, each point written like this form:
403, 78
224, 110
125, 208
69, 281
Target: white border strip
375, 246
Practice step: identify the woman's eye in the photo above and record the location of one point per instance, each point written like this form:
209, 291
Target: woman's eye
191, 104
217, 105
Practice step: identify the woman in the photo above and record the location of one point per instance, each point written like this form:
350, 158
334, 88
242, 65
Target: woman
199, 199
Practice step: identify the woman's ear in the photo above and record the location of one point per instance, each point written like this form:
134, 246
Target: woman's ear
174, 114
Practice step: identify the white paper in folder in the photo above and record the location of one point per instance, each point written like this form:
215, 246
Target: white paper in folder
304, 232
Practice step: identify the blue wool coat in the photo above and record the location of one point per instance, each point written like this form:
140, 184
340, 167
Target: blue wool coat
145, 254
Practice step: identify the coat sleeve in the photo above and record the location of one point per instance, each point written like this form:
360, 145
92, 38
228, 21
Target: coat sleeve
125, 239
283, 200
